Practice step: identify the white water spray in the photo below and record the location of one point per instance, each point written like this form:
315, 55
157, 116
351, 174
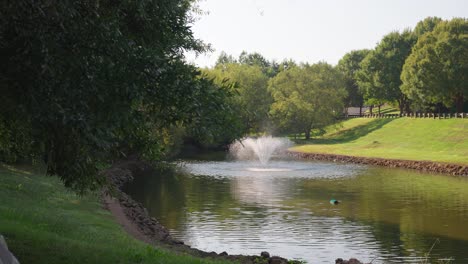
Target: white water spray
261, 148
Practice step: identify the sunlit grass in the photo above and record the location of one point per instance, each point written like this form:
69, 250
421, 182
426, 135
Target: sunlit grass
45, 223
402, 138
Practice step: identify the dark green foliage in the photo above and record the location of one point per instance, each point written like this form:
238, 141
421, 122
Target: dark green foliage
349, 65
89, 81
436, 71
217, 121
380, 70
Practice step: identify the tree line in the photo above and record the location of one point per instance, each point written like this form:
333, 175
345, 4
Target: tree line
420, 69
423, 69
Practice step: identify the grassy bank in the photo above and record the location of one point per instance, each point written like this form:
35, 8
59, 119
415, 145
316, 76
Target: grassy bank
402, 138
45, 223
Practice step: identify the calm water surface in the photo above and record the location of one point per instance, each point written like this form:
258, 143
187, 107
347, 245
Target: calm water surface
389, 215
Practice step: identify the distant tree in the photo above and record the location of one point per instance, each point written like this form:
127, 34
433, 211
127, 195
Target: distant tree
270, 69
381, 69
224, 59
253, 99
426, 25
286, 64
349, 65
307, 97
436, 71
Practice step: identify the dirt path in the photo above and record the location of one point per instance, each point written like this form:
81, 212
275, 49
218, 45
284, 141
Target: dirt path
113, 205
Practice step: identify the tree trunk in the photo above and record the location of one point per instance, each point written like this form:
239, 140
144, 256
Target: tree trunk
379, 108
360, 109
370, 109
407, 108
307, 134
401, 103
459, 102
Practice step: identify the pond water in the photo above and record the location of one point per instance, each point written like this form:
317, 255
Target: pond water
385, 215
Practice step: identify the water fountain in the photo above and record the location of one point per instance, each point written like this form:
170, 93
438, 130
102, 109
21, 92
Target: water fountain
261, 148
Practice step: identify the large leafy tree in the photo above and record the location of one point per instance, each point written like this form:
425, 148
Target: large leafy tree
85, 81
381, 69
307, 97
436, 71
253, 99
349, 65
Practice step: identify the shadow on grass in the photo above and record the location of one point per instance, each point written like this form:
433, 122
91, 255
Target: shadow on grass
348, 135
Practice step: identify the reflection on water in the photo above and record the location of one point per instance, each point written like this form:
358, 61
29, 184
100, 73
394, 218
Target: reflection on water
391, 215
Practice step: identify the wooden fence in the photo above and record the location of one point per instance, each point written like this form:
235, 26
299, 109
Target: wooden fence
413, 115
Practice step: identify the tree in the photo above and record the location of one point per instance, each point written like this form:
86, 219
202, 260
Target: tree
253, 100
426, 25
224, 59
381, 69
270, 69
349, 65
307, 97
436, 71
217, 122
89, 81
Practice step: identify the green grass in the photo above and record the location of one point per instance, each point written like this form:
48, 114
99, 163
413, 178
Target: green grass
402, 138
45, 223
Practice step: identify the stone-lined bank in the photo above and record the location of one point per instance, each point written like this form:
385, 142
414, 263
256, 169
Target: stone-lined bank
426, 166
136, 220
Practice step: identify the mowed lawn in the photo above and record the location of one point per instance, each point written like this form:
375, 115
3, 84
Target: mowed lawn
440, 140
45, 223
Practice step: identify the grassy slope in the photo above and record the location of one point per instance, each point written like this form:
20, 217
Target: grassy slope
402, 138
45, 223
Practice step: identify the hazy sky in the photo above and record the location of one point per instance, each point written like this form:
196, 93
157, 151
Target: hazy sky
309, 30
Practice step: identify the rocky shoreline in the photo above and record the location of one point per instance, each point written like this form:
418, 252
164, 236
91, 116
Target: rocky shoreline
135, 218
425, 166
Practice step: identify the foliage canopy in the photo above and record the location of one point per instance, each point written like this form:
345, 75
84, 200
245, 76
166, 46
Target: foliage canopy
84, 82
436, 71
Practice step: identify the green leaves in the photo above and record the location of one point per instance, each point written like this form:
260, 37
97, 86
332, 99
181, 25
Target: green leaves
307, 97
381, 68
86, 81
437, 67
349, 65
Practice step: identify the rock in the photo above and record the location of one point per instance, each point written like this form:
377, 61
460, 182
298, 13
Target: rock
277, 260
350, 261
265, 254
6, 257
224, 253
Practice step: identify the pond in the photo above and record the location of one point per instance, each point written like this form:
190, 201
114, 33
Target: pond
385, 215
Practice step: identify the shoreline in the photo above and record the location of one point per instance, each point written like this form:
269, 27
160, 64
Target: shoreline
137, 222
424, 166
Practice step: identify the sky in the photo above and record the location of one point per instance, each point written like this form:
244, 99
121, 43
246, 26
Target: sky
308, 30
